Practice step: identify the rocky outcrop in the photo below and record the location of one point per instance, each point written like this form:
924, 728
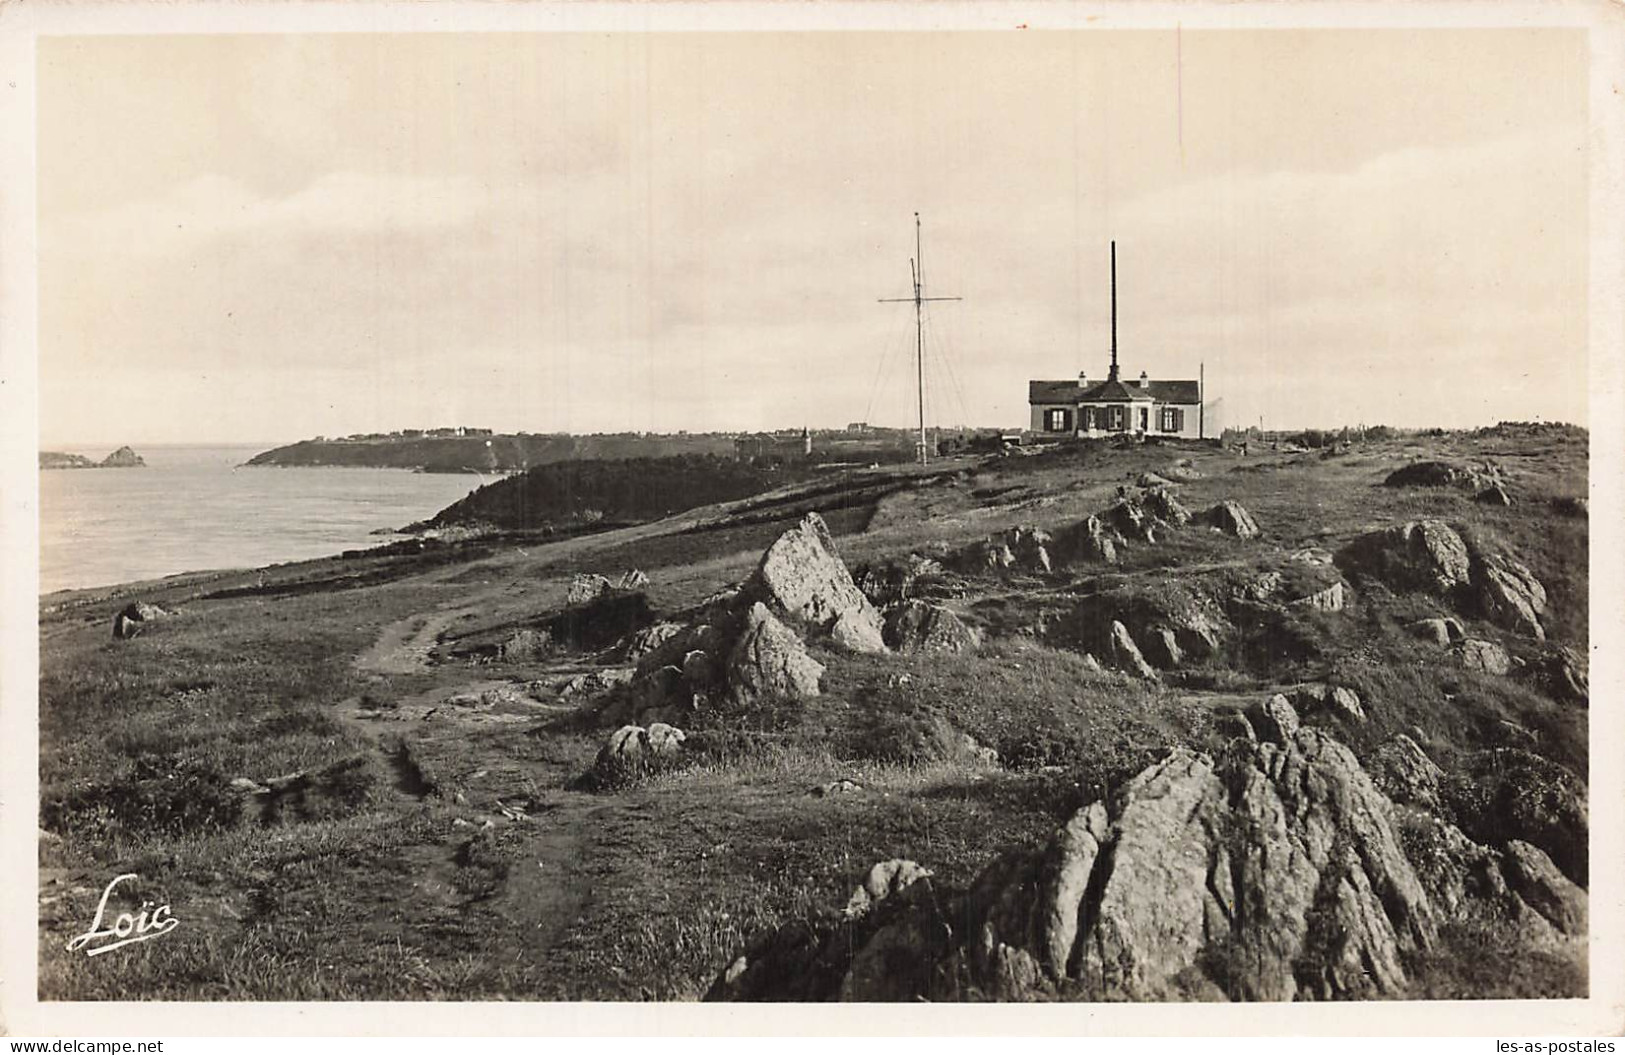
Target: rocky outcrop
1442, 632
595, 682
1494, 496
1232, 518
897, 580
1421, 555
916, 626
802, 577
1567, 675
587, 588
1486, 657
634, 579
1162, 504
123, 458
1510, 596
1273, 874
135, 617
1405, 773
1023, 548
1341, 702
769, 660
650, 638
885, 879
1444, 474
1532, 875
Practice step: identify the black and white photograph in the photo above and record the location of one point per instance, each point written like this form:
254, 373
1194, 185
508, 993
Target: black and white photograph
636, 505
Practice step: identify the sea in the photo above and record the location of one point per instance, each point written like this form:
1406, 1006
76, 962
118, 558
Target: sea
197, 508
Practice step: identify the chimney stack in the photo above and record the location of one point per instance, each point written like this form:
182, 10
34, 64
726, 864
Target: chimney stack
1145, 382
1083, 379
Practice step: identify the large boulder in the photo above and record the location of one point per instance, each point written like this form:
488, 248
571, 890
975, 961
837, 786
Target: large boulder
1418, 555
897, 580
1548, 891
1273, 874
1442, 632
135, 617
916, 626
1510, 596
1233, 519
632, 749
587, 588
802, 577
1567, 675
769, 660
649, 639
1486, 657
1340, 701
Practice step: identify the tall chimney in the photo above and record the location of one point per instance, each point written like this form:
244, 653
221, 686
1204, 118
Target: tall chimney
1112, 376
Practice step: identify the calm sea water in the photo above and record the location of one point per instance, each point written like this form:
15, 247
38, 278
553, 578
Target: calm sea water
194, 509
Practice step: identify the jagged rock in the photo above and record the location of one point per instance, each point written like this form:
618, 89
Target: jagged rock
770, 660
1125, 655
586, 588
897, 580
649, 639
1162, 646
1338, 700
1274, 719
837, 787
915, 626
1511, 596
1333, 598
885, 879
1421, 554
1234, 725
1484, 656
1274, 875
634, 579
1405, 773
1128, 518
1097, 540
803, 577
1442, 632
1566, 674
132, 619
1149, 479
1165, 507
1535, 879
1517, 794
1232, 518
1494, 495
1263, 588
1311, 555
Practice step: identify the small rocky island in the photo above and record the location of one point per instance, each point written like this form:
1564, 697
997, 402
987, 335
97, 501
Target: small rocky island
123, 458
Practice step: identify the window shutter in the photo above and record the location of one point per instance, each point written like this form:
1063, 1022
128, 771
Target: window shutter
1177, 418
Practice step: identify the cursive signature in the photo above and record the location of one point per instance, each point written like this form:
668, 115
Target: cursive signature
125, 928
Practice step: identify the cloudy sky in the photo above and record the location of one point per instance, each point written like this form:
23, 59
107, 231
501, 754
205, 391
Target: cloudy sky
262, 238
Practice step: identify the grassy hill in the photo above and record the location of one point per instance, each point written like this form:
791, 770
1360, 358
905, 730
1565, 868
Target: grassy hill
362, 778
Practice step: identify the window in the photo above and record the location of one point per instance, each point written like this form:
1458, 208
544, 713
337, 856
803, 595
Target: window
1058, 420
1117, 418
1173, 419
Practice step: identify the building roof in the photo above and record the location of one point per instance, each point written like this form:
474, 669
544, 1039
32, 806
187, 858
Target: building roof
1068, 393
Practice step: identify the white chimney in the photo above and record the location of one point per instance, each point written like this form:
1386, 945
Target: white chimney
1083, 379
1145, 382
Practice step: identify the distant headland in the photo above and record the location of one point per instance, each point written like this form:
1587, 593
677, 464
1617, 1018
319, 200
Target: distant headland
482, 450
123, 458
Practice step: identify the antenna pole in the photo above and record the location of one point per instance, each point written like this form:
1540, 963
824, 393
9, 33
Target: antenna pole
919, 334
919, 299
1113, 374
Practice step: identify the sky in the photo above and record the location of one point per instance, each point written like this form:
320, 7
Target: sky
265, 238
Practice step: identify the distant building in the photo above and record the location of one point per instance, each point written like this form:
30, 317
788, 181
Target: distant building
1145, 407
